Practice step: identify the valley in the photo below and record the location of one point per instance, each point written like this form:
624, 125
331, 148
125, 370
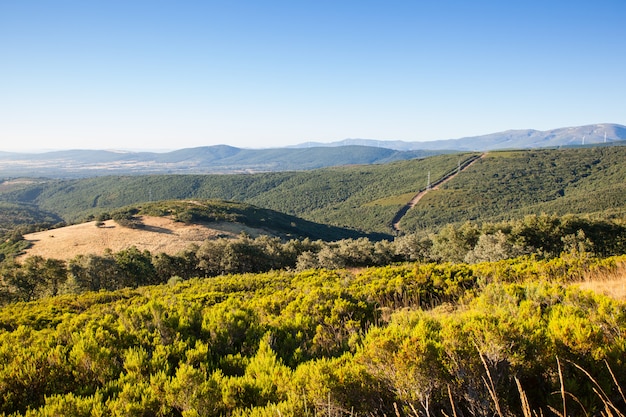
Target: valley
503, 185
312, 209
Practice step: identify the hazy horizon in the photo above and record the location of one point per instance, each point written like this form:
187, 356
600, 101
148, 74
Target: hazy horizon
295, 145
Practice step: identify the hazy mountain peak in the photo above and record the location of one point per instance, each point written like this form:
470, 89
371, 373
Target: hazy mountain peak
514, 138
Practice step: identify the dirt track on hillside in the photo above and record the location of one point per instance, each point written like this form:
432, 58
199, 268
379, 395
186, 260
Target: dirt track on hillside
396, 221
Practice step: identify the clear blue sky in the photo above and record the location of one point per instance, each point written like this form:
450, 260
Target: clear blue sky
155, 74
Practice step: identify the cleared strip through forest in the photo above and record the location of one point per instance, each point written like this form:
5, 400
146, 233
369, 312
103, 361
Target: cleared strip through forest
395, 223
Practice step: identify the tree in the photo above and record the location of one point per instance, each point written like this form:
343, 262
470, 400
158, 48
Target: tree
413, 247
307, 260
93, 273
19, 285
210, 256
493, 247
452, 242
135, 267
577, 243
540, 233
35, 278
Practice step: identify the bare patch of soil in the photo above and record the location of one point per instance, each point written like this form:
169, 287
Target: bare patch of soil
158, 234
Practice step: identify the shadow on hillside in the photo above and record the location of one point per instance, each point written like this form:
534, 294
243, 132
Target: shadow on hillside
156, 229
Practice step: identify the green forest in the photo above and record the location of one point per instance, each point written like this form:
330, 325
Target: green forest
508, 185
503, 185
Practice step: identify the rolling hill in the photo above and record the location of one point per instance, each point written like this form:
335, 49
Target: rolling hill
335, 196
173, 226
157, 235
325, 340
502, 185
511, 184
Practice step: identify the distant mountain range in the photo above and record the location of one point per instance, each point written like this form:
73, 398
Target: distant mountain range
220, 159
228, 159
510, 139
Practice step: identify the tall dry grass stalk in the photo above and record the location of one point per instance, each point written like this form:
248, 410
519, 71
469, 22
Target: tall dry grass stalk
526, 411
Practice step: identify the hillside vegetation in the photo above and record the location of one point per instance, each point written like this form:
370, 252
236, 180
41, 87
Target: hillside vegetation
337, 196
508, 185
452, 317
137, 250
502, 185
499, 338
274, 223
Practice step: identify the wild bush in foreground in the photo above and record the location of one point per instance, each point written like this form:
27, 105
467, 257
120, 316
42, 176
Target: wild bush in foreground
410, 339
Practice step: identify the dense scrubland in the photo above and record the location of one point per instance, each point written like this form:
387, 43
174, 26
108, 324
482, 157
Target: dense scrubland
502, 331
493, 338
543, 237
477, 310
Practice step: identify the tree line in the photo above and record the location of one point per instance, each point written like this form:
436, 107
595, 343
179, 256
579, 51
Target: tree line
541, 236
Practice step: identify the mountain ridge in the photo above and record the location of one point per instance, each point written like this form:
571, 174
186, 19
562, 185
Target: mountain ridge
220, 159
507, 139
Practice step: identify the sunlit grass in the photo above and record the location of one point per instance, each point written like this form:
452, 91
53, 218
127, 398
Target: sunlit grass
611, 283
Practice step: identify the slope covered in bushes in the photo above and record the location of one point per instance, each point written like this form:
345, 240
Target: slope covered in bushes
410, 339
509, 185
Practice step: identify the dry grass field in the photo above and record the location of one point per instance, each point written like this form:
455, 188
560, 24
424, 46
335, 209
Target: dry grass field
158, 234
611, 283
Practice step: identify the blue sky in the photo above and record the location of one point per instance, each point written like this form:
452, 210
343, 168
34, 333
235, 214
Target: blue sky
158, 74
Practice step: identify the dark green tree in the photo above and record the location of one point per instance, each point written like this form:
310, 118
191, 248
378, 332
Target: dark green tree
93, 273
135, 267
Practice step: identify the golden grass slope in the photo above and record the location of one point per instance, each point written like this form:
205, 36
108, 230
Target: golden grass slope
158, 234
611, 283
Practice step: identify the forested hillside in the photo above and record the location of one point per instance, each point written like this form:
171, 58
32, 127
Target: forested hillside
482, 317
506, 185
337, 196
502, 185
